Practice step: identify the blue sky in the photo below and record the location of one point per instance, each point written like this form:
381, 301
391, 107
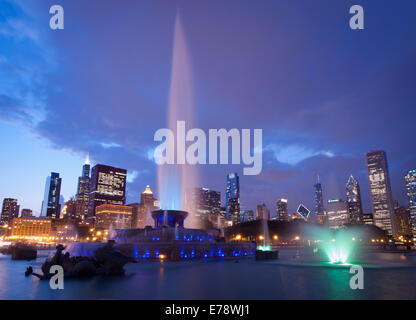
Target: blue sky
323, 94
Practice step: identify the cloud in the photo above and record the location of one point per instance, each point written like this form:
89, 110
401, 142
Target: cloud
12, 109
294, 154
19, 30
132, 175
108, 145
316, 97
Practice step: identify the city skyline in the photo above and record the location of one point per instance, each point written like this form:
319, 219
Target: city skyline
316, 132
352, 197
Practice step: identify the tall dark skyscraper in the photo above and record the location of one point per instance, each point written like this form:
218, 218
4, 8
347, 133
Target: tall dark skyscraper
319, 203
380, 191
282, 213
83, 190
410, 180
50, 206
9, 211
354, 200
232, 198
107, 186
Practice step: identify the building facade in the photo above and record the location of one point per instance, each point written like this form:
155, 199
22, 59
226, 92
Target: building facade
410, 180
263, 213
281, 210
403, 222
50, 206
337, 212
26, 213
247, 215
107, 186
206, 201
232, 198
380, 191
28, 228
319, 203
352, 190
149, 204
141, 212
74, 209
9, 211
83, 189
368, 219
113, 216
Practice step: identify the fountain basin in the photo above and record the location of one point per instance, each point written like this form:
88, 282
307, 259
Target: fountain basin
169, 218
171, 243
174, 250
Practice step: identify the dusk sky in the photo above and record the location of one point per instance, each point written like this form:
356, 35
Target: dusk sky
323, 94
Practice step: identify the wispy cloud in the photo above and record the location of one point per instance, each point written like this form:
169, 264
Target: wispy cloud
109, 145
295, 153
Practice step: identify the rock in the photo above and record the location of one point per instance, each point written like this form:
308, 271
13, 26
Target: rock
107, 260
84, 269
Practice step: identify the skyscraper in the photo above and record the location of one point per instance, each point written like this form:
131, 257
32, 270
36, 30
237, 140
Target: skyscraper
74, 209
263, 213
410, 180
50, 206
247, 215
282, 213
107, 186
206, 201
147, 198
354, 200
319, 203
148, 204
403, 221
232, 198
83, 190
337, 213
26, 213
380, 191
9, 211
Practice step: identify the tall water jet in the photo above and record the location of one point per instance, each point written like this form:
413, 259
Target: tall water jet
174, 180
111, 232
266, 237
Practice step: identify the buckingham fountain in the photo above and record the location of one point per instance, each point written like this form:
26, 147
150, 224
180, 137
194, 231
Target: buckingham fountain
176, 232
169, 240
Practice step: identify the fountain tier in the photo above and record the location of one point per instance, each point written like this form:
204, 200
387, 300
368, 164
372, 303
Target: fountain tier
170, 241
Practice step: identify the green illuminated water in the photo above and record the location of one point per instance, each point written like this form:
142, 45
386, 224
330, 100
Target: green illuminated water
338, 245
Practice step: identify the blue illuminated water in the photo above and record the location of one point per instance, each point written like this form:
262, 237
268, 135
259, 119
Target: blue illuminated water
286, 278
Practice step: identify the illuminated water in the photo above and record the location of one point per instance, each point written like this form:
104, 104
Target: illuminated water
338, 245
175, 180
387, 276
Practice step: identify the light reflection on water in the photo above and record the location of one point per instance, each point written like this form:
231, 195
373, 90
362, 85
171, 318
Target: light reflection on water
247, 279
